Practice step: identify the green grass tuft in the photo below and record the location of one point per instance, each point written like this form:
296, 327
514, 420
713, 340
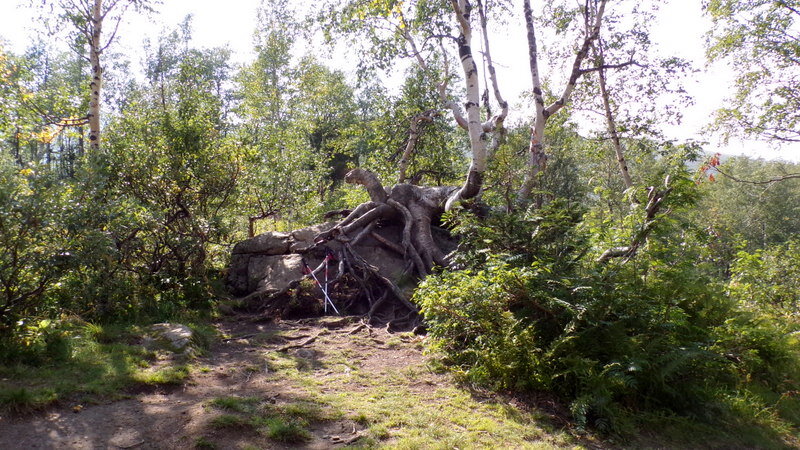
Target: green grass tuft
283, 430
304, 410
19, 400
203, 443
166, 376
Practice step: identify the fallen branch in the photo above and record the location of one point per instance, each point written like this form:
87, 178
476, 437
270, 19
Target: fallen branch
308, 341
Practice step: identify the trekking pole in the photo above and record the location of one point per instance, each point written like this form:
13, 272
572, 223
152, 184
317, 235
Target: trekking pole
329, 255
308, 270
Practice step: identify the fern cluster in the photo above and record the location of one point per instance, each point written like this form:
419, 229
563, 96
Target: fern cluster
529, 311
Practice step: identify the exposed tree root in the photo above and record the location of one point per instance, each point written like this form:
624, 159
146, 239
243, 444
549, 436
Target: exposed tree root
299, 344
399, 220
413, 207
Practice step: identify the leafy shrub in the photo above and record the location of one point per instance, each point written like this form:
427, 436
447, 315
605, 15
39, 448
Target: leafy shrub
768, 281
29, 242
527, 312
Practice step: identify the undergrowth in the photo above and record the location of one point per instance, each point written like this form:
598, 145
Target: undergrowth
530, 311
286, 423
72, 360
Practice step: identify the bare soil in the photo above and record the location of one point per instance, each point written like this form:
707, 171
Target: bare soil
241, 364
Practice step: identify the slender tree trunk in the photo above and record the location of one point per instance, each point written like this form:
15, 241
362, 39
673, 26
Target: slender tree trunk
17, 152
611, 123
537, 159
477, 137
81, 150
413, 137
95, 48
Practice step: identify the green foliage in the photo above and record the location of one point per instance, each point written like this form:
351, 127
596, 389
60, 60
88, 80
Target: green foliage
33, 243
768, 281
751, 215
437, 157
758, 35
529, 313
40, 104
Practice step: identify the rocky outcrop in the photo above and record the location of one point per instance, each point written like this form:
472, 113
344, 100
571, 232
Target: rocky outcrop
269, 263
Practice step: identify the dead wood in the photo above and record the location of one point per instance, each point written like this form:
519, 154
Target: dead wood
308, 341
399, 219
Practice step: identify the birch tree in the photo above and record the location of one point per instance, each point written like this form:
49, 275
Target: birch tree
592, 12
634, 88
94, 26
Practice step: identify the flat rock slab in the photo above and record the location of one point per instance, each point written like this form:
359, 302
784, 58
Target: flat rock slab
173, 337
272, 243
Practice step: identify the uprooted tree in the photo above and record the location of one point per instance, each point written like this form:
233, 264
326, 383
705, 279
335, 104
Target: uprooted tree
425, 32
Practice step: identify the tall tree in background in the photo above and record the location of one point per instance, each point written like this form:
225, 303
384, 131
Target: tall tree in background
592, 19
759, 39
88, 19
635, 89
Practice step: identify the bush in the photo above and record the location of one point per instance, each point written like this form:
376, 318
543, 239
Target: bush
768, 281
528, 313
32, 254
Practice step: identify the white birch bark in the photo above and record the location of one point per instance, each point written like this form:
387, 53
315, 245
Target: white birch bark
95, 49
537, 159
477, 138
612, 125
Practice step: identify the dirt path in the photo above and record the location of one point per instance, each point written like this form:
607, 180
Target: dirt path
337, 383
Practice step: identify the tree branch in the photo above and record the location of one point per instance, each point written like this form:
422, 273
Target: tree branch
592, 34
758, 182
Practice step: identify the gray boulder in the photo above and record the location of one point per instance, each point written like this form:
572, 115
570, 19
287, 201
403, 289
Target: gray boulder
172, 337
271, 262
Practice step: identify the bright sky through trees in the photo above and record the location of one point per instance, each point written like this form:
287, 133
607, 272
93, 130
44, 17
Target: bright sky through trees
680, 31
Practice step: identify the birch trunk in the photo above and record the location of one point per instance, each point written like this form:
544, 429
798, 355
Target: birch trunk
537, 159
95, 48
477, 138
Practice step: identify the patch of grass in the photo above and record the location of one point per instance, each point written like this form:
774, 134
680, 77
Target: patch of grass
285, 430
285, 423
361, 419
400, 408
305, 410
394, 342
18, 400
86, 360
173, 375
203, 443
